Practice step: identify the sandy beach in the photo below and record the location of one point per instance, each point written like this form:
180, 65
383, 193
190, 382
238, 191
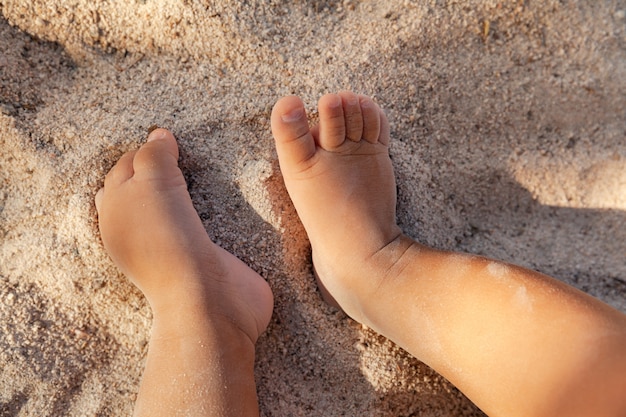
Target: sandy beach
509, 141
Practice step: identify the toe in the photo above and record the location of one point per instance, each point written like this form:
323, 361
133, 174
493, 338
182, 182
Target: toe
385, 130
371, 119
294, 142
98, 199
158, 157
332, 125
352, 115
122, 170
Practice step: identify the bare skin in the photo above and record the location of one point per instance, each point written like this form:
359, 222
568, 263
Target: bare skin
208, 307
516, 342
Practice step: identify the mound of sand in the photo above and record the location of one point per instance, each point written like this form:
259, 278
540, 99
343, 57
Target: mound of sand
510, 141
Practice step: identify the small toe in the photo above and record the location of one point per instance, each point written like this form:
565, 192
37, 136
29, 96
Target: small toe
353, 116
98, 199
385, 130
121, 171
332, 125
294, 142
371, 119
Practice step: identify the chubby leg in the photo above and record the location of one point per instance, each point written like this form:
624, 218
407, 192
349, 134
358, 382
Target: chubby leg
516, 342
208, 307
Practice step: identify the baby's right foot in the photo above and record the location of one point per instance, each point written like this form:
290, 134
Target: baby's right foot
340, 179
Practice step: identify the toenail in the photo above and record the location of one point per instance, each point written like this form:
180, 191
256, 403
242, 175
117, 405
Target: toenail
292, 116
336, 103
157, 134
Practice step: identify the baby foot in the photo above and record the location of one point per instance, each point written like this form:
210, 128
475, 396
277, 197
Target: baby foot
153, 234
340, 179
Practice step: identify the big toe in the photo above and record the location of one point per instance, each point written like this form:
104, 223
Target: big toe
294, 142
158, 156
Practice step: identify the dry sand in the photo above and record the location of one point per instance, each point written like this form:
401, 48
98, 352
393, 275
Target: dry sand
509, 120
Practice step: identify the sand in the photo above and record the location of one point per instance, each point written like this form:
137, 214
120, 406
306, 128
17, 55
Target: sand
509, 130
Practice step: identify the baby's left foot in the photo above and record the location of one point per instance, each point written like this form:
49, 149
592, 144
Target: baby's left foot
208, 307
153, 233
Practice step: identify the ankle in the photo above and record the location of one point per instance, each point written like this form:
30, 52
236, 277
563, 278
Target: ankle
385, 269
363, 278
197, 317
389, 258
